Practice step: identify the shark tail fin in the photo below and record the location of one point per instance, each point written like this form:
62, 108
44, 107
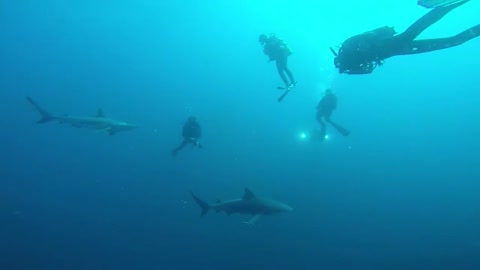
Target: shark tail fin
205, 207
46, 116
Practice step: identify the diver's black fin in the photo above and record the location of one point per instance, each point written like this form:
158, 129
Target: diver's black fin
340, 129
287, 90
441, 3
280, 98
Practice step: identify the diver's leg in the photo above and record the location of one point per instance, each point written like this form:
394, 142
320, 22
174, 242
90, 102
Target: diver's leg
327, 115
180, 147
428, 45
175, 151
323, 126
281, 66
290, 75
427, 20
287, 70
323, 131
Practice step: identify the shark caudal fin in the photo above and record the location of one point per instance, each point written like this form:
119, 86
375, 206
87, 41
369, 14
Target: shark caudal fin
46, 116
205, 207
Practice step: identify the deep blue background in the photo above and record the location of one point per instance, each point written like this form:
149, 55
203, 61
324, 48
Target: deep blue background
400, 193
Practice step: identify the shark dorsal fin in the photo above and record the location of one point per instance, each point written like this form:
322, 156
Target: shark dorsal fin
248, 195
100, 113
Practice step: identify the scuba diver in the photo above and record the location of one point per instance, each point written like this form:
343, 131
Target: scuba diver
277, 50
325, 108
191, 133
361, 54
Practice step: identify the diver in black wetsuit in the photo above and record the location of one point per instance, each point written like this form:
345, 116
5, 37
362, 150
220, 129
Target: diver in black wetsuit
325, 108
191, 133
361, 54
278, 51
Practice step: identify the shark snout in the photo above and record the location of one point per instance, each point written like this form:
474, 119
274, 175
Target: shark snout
127, 126
285, 208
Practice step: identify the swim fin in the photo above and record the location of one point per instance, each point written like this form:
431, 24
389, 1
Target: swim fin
340, 129
287, 90
438, 3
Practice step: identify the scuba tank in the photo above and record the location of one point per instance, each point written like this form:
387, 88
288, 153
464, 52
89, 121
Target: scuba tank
380, 33
281, 44
287, 49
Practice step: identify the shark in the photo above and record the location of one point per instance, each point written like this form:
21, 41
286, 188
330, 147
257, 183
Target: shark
100, 122
249, 204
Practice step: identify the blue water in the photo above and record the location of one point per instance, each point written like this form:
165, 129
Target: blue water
402, 192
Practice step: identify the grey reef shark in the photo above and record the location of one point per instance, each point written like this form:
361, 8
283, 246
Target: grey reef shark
100, 122
249, 204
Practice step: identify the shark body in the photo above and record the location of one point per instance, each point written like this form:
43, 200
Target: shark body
99, 122
249, 204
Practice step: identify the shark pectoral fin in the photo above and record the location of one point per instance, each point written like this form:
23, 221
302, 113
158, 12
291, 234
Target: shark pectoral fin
110, 130
103, 129
252, 220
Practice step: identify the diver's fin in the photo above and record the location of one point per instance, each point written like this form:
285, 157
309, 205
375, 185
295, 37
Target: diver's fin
253, 220
46, 116
440, 3
340, 129
248, 195
205, 207
334, 52
280, 98
287, 90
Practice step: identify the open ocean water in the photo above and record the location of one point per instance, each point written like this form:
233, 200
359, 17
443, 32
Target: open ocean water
400, 193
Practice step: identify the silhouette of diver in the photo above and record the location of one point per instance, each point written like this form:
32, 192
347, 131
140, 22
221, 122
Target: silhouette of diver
191, 133
361, 54
277, 51
325, 108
